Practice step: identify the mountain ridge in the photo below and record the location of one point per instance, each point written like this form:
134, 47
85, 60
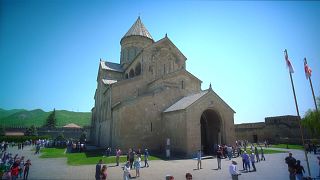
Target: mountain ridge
37, 117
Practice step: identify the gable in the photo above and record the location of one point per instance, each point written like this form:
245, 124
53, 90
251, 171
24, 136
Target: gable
189, 101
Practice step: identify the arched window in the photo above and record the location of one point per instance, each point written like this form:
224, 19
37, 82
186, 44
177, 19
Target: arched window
138, 69
131, 73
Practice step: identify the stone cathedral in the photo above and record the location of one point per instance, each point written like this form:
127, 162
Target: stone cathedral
151, 101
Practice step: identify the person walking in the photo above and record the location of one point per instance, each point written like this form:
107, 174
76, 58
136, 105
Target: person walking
247, 161
26, 169
299, 170
126, 171
253, 161
233, 170
318, 157
98, 170
199, 159
219, 156
118, 153
131, 157
14, 170
256, 152
21, 166
291, 161
146, 156
103, 173
262, 154
137, 166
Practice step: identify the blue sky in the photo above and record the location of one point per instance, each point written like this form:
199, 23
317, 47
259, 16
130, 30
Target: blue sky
50, 50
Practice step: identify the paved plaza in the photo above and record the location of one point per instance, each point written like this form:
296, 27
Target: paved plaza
274, 168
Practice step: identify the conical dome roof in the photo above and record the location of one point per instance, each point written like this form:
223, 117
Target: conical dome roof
138, 29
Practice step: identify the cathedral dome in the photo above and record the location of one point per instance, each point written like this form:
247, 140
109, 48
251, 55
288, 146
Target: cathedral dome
138, 29
137, 38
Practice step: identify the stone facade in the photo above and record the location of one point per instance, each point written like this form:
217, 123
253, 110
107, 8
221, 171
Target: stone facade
278, 129
150, 97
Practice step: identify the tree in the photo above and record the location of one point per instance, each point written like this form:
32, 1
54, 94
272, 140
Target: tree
83, 137
31, 131
51, 120
2, 130
311, 120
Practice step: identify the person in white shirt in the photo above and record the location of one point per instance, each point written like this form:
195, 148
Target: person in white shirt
233, 170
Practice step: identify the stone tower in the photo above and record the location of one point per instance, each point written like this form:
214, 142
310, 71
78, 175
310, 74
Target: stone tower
133, 42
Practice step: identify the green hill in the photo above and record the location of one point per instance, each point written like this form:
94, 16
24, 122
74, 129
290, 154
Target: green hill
5, 113
37, 117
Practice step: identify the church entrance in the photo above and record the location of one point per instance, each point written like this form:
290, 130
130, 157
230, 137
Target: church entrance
210, 131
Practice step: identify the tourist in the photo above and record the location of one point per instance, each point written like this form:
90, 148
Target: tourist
229, 152
246, 161
15, 170
126, 171
108, 151
219, 156
21, 165
138, 153
146, 157
188, 176
233, 170
243, 160
98, 169
118, 153
262, 154
299, 170
199, 159
253, 161
318, 157
137, 166
103, 173
131, 157
256, 152
26, 169
291, 161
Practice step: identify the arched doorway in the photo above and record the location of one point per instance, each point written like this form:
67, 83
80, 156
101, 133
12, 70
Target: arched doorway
210, 131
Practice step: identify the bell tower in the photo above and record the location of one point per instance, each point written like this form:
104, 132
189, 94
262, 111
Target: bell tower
137, 38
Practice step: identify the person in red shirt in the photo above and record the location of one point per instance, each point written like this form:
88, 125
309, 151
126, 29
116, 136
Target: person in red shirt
15, 170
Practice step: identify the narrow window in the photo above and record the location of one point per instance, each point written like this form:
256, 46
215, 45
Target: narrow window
164, 69
151, 126
182, 84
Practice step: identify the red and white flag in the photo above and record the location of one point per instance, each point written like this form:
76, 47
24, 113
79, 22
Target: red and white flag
307, 69
289, 65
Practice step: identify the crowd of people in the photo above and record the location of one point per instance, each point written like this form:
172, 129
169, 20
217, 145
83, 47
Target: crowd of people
133, 162
13, 167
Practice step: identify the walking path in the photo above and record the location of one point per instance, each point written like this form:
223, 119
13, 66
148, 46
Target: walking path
273, 168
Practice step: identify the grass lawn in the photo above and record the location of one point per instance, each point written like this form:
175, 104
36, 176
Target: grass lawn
290, 146
267, 151
52, 153
85, 158
272, 151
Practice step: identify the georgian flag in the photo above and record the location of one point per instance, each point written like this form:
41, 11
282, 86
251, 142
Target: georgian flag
289, 65
307, 69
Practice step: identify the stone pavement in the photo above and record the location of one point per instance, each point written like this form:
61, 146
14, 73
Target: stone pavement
273, 168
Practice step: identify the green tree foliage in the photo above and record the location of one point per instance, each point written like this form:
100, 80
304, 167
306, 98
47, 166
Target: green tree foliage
31, 131
60, 137
2, 130
83, 137
311, 120
51, 120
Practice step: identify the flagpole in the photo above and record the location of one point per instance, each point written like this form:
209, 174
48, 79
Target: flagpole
299, 118
314, 98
